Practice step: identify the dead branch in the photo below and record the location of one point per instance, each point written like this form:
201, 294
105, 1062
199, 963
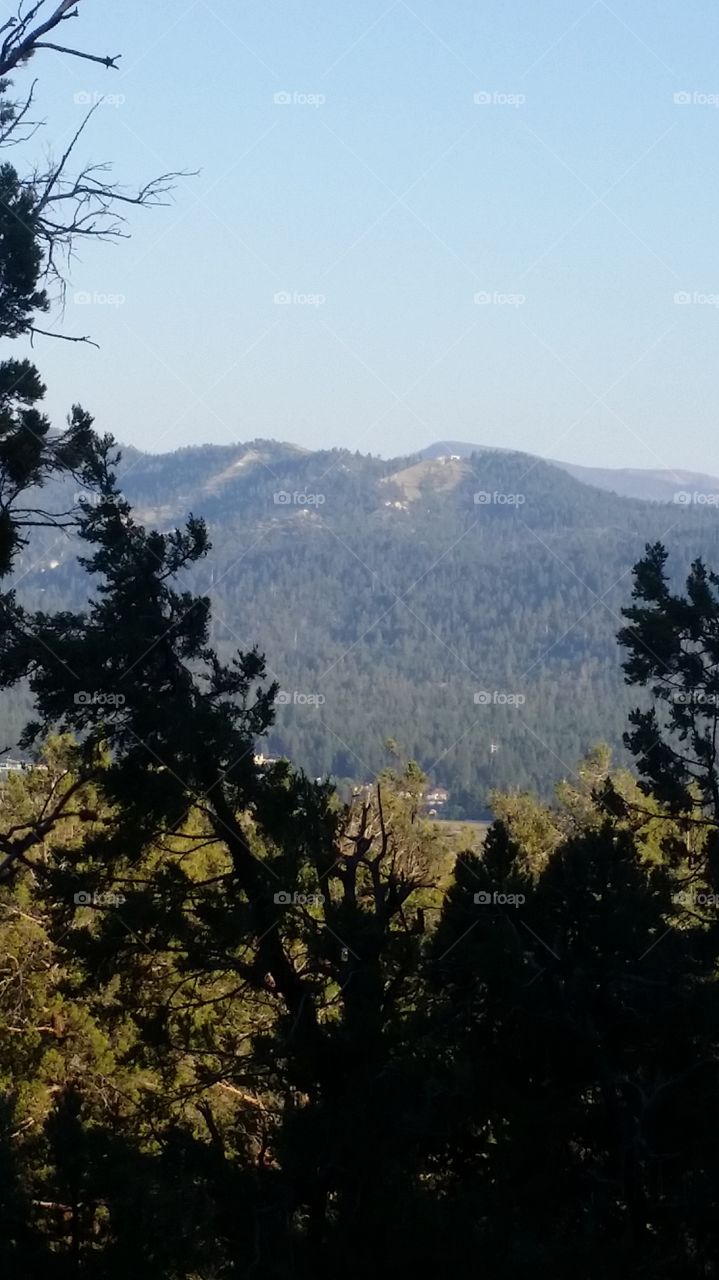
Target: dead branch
23, 38
109, 62
61, 337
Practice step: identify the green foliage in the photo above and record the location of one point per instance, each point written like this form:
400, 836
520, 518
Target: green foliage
303, 1028
398, 617
249, 1030
672, 643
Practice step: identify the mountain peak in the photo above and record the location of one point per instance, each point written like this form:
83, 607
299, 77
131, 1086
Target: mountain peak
652, 484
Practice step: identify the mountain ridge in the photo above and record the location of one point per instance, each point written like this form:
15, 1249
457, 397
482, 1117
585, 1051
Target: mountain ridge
407, 599
650, 484
665, 485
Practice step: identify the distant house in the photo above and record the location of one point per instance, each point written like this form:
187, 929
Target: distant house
11, 766
435, 799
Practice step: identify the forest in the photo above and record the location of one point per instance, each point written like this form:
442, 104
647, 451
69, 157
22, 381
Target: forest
380, 620
249, 1028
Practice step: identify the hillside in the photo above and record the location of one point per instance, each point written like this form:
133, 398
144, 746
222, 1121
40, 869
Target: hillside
653, 485
466, 609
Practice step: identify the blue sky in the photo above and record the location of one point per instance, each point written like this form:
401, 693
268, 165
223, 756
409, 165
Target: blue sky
502, 270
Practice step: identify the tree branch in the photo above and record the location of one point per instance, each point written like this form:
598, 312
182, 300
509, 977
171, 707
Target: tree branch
108, 61
62, 337
23, 39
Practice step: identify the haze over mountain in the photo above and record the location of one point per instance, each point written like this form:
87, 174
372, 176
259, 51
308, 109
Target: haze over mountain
466, 607
660, 485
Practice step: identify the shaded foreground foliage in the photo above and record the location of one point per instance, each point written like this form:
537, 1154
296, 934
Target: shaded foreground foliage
397, 618
284, 1036
246, 1030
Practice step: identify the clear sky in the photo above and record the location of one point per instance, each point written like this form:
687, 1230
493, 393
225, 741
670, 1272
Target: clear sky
576, 194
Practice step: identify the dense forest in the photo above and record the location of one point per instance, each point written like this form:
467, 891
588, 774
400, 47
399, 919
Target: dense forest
384, 598
251, 1029
248, 1029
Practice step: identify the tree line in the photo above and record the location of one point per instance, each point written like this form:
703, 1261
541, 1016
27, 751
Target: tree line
250, 1030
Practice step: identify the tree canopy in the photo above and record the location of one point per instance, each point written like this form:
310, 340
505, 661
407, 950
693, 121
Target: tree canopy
250, 1029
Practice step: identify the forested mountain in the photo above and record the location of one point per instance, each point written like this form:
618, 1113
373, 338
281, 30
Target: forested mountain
653, 484
251, 1025
466, 608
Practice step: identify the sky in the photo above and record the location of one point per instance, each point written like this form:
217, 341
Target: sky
493, 222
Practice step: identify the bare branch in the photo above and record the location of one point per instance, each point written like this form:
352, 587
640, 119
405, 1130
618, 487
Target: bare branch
55, 174
109, 62
14, 118
61, 337
23, 39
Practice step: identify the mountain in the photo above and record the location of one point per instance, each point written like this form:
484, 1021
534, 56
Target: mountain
655, 486
465, 608
650, 485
